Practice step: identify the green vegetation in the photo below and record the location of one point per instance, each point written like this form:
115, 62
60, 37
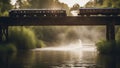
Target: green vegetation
104, 3
4, 7
108, 3
42, 4
25, 38
106, 47
7, 48
21, 38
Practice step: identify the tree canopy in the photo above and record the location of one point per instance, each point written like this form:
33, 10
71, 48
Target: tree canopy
105, 3
4, 6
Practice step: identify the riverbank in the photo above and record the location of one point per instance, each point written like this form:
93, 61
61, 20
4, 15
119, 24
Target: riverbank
20, 38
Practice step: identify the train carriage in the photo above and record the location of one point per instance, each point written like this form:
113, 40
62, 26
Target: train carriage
36, 13
98, 11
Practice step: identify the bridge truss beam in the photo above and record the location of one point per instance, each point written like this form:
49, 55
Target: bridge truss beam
109, 21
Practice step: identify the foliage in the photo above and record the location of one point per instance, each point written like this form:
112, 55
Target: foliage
49, 4
7, 48
89, 4
22, 4
105, 47
48, 34
104, 3
22, 37
4, 6
40, 44
108, 3
75, 7
118, 34
118, 40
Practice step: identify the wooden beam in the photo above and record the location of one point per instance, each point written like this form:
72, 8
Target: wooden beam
41, 21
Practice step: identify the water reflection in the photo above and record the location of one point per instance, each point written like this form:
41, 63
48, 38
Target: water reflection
40, 58
108, 61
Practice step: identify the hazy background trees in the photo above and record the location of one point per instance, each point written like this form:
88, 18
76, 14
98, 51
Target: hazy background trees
104, 3
4, 6
41, 4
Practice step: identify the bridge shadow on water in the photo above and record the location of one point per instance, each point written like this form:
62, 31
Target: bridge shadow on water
82, 57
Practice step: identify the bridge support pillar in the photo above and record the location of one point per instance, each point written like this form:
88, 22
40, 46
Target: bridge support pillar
3, 33
110, 34
0, 33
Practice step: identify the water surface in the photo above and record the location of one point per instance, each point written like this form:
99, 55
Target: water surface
59, 57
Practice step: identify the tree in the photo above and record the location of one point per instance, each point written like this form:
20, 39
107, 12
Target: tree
21, 4
75, 7
90, 4
107, 3
48, 4
4, 6
100, 2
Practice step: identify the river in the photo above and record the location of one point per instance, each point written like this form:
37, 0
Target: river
59, 57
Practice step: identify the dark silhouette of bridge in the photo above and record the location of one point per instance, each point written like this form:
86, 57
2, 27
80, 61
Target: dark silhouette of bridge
109, 21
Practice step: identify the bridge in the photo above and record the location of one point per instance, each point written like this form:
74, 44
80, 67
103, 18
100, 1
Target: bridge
108, 21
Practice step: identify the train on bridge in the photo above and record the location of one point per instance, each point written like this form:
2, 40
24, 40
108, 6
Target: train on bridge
62, 13
99, 11
36, 13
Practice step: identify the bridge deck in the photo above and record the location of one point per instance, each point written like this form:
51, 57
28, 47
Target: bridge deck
30, 21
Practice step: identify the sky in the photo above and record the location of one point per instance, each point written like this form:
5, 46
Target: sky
70, 3
13, 2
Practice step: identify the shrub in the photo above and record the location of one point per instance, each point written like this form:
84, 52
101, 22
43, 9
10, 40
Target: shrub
105, 47
7, 48
11, 48
40, 44
22, 37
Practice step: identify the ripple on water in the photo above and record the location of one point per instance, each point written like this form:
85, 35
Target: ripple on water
77, 65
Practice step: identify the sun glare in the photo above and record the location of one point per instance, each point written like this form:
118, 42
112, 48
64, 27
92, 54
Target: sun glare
13, 2
70, 3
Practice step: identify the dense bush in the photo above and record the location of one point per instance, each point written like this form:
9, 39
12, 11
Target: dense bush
24, 38
7, 48
21, 38
104, 47
108, 47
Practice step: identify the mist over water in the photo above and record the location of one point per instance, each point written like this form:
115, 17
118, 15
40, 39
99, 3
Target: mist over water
76, 46
72, 55
87, 34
